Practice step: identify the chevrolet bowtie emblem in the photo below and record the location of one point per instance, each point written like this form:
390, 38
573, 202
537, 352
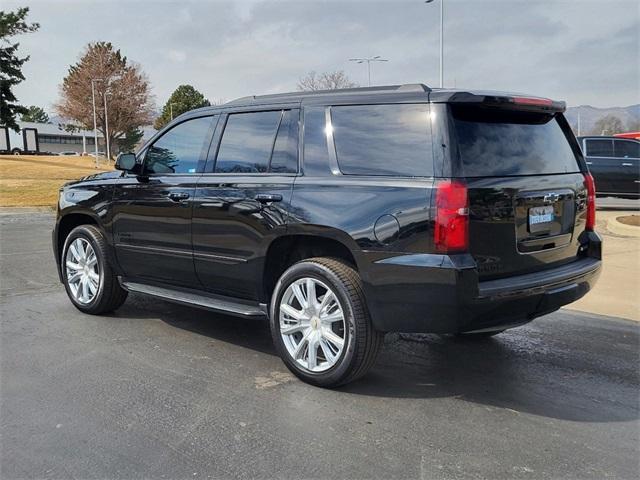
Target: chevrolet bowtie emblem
551, 197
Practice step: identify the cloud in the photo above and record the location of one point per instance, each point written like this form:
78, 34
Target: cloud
585, 52
176, 55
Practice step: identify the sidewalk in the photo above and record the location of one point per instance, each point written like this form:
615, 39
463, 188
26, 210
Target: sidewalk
617, 292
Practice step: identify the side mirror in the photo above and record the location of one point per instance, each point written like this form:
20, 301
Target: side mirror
126, 162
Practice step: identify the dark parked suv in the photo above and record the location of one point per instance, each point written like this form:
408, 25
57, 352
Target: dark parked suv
615, 165
341, 215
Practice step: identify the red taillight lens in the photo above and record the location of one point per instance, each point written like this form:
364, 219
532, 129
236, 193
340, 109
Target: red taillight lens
591, 201
532, 101
452, 217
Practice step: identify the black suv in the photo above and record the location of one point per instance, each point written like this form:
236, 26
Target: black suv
615, 165
341, 215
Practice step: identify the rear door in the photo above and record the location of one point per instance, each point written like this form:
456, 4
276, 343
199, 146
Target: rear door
627, 153
602, 164
152, 211
527, 195
242, 201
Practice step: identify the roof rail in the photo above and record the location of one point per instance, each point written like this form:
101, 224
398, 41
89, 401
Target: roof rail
409, 87
240, 99
413, 87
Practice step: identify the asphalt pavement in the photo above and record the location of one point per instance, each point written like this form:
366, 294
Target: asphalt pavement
164, 391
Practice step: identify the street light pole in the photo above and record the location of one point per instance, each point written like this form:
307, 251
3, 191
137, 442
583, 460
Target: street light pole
106, 127
368, 61
441, 41
171, 104
95, 121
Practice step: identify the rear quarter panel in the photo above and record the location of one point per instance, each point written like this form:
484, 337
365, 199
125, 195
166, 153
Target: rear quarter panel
375, 218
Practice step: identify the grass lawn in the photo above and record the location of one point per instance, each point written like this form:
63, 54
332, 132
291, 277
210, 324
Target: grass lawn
34, 180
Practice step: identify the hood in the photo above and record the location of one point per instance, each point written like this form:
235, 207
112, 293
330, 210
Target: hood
101, 176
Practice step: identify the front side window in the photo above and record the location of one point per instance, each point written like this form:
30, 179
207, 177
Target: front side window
383, 139
599, 148
626, 149
180, 149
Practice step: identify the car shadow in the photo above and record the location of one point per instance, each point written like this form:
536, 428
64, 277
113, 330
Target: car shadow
517, 370
514, 371
249, 333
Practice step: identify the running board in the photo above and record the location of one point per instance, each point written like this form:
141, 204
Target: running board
211, 302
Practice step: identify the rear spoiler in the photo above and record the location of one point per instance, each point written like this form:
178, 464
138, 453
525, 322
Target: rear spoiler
511, 102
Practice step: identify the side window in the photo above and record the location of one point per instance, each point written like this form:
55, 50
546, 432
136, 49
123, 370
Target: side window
315, 150
383, 139
599, 148
180, 149
247, 142
285, 151
626, 149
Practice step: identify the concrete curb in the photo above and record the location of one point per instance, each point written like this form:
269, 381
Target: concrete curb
26, 210
614, 226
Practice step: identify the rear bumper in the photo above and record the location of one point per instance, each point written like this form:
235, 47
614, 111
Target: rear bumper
442, 294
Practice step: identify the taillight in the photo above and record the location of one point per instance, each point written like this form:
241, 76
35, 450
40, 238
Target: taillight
533, 101
452, 217
591, 201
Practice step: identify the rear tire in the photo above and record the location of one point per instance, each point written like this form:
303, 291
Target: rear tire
88, 278
320, 323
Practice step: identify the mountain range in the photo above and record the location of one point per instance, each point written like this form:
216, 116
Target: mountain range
590, 115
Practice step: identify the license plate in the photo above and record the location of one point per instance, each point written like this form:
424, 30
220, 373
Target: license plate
540, 218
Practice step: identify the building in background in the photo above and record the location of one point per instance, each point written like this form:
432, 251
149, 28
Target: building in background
35, 138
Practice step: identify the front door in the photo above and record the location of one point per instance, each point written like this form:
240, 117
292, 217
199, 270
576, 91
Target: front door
242, 203
152, 211
601, 163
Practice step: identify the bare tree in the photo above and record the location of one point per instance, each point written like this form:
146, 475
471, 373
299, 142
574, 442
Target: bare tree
129, 102
325, 81
608, 125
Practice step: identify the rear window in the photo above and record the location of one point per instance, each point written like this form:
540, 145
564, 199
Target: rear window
626, 149
504, 143
390, 140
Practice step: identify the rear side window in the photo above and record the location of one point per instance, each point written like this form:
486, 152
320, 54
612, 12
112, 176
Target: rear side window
285, 150
626, 149
247, 142
179, 149
493, 143
259, 142
316, 153
600, 148
383, 139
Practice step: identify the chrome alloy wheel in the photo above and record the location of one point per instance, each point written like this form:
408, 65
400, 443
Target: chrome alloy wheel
312, 324
83, 273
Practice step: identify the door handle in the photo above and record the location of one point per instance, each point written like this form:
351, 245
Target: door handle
589, 163
177, 196
627, 164
268, 197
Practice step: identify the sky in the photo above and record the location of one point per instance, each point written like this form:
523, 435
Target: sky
580, 51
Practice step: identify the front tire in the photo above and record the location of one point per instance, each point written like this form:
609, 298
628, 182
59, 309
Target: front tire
320, 323
88, 278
